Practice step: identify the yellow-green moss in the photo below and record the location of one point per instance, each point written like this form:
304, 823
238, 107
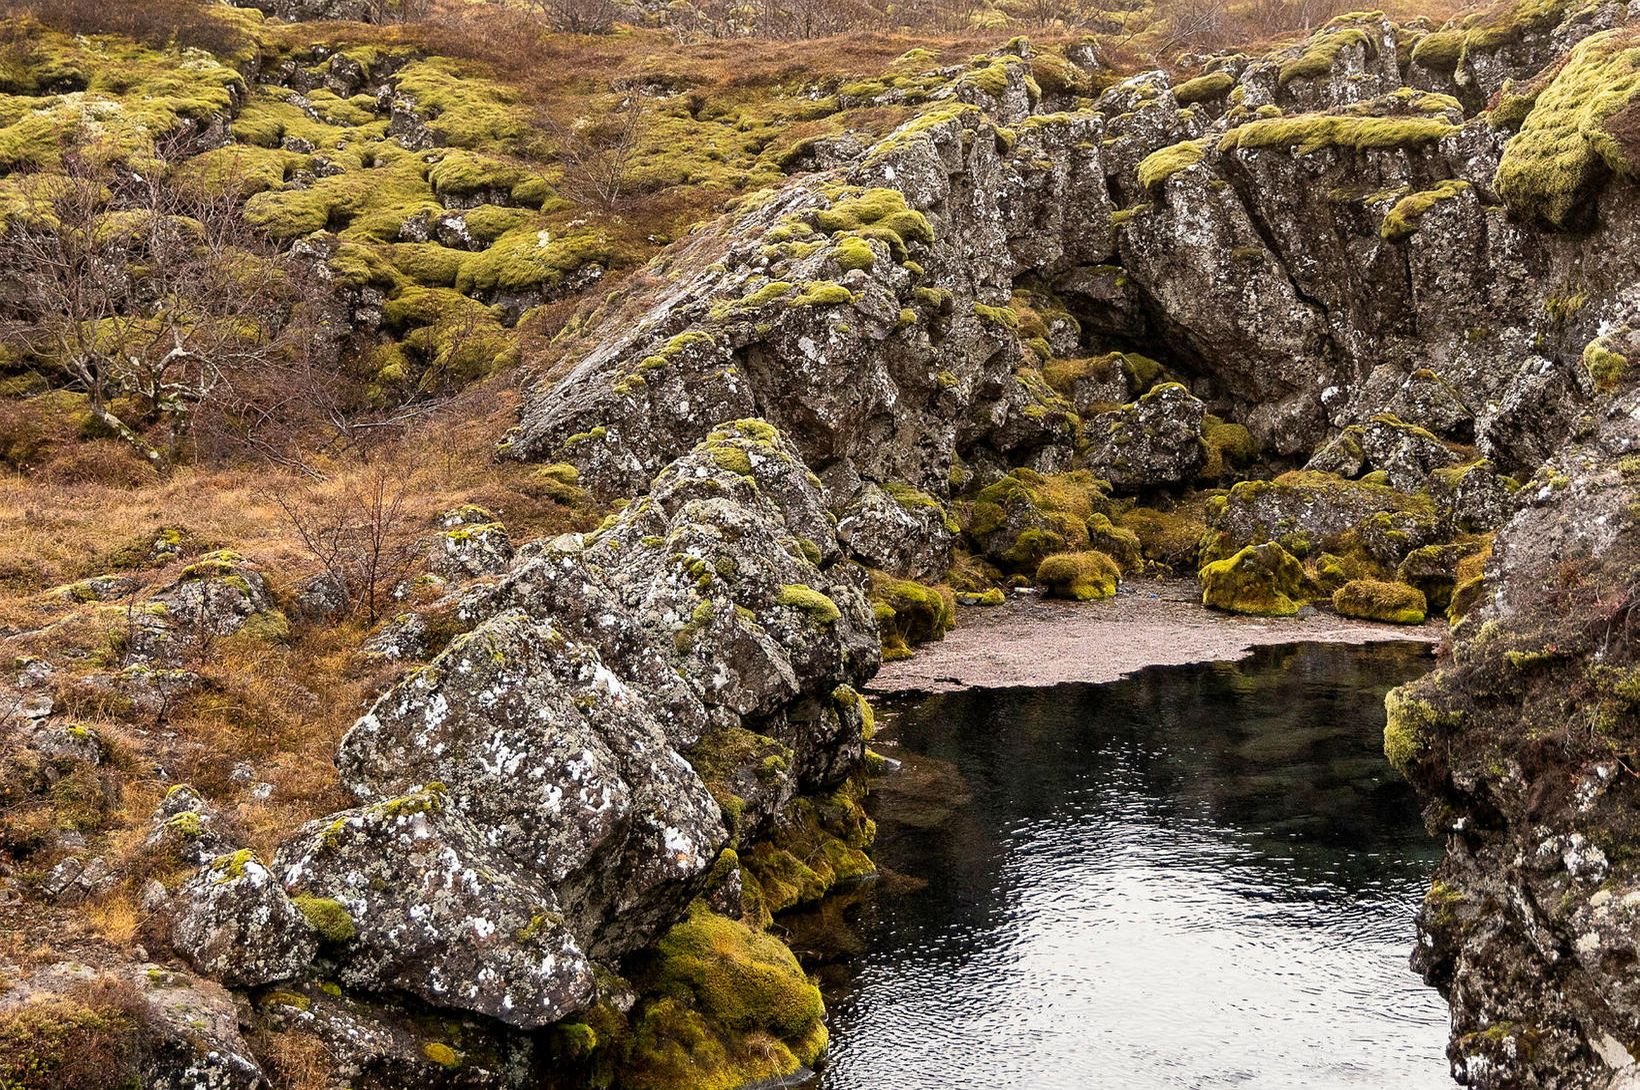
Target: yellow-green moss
1208, 88
1408, 728
1317, 61
1263, 580
1403, 219
1314, 132
441, 1054
1161, 165
1081, 576
726, 1005
329, 918
1550, 168
1380, 600
820, 609
1604, 365
854, 253
909, 612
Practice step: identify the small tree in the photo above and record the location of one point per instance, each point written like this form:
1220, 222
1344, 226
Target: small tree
362, 535
596, 152
132, 287
578, 16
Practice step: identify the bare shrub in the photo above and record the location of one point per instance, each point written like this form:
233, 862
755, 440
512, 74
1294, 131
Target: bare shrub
362, 533
578, 16
596, 152
152, 297
158, 23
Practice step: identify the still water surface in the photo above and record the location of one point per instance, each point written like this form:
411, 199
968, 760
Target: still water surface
1198, 877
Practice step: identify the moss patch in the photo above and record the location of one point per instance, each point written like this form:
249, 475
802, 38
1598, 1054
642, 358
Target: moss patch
1264, 580
1379, 600
1081, 576
1564, 150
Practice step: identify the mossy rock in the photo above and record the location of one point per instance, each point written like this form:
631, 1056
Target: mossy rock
725, 1005
1080, 576
909, 613
1263, 580
1380, 600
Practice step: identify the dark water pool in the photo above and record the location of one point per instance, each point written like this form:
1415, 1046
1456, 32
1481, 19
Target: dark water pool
1198, 877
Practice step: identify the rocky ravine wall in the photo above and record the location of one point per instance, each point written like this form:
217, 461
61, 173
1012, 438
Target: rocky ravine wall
803, 386
1348, 283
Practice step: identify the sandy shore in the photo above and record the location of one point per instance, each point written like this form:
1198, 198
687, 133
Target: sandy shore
1031, 641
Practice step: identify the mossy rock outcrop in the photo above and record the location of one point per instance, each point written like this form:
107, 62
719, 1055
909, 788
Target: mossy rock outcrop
1081, 577
1020, 520
1264, 580
1378, 600
725, 1006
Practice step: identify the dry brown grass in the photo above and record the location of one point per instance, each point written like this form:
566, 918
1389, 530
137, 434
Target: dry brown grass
278, 707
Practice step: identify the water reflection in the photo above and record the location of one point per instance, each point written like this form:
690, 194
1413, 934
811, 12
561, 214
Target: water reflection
1202, 876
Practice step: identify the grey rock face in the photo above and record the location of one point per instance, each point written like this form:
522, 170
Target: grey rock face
877, 352
897, 528
471, 542
239, 926
527, 807
1531, 914
379, 1045
1154, 443
438, 913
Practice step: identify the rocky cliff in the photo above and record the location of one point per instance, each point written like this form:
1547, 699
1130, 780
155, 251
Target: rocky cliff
1347, 322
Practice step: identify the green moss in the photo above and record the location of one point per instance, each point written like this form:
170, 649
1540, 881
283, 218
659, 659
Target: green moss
997, 316
1208, 88
726, 1005
1378, 600
1263, 580
876, 213
1605, 366
1314, 132
909, 613
1402, 220
1226, 446
1550, 169
329, 918
1409, 727
822, 293
854, 253
1317, 61
530, 258
441, 1054
820, 609
1080, 576
1161, 165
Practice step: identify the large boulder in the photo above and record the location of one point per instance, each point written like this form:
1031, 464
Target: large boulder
1156, 442
235, 923
438, 913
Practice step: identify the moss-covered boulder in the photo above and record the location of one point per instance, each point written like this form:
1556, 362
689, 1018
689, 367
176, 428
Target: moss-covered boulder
724, 1006
1310, 512
1379, 600
1264, 580
1023, 518
1081, 577
909, 613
